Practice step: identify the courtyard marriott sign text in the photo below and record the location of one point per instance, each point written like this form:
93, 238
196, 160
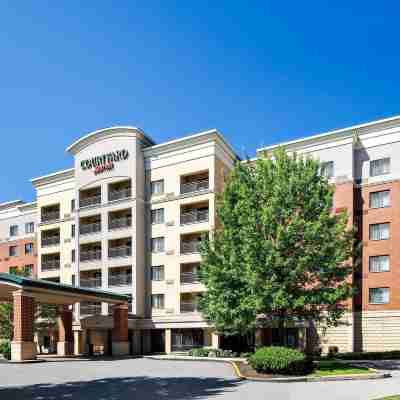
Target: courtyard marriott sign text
105, 162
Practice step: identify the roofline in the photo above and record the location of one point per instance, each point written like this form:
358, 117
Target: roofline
65, 173
74, 145
345, 131
183, 139
42, 284
11, 204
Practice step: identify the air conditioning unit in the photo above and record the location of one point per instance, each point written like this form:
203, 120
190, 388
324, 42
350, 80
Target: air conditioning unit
67, 265
169, 195
170, 281
67, 240
67, 215
170, 223
170, 252
169, 310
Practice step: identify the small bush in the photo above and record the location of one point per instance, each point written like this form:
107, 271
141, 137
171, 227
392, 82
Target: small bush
5, 349
200, 352
210, 352
332, 351
280, 360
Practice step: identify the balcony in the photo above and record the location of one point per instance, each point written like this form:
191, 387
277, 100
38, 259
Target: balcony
119, 223
48, 216
90, 255
50, 241
121, 251
190, 246
119, 194
119, 190
50, 265
120, 279
90, 282
90, 308
90, 197
189, 307
194, 216
189, 277
195, 183
88, 229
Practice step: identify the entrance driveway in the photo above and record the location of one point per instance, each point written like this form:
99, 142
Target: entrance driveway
161, 380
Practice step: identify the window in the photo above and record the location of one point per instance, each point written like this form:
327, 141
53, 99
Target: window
30, 227
28, 248
157, 245
157, 187
12, 251
28, 270
379, 199
73, 256
379, 232
157, 216
327, 169
14, 230
13, 270
72, 205
379, 167
73, 231
379, 264
379, 295
157, 301
157, 273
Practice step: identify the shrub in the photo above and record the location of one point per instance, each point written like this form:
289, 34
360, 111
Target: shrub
210, 352
5, 349
280, 360
379, 355
332, 351
200, 352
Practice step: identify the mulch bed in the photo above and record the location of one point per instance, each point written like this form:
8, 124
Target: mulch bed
248, 371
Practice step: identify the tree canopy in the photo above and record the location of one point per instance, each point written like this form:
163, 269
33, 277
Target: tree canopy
280, 252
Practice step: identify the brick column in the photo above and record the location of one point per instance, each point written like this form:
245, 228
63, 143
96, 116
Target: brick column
22, 346
65, 345
120, 343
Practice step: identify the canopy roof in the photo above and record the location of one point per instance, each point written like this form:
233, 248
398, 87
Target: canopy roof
55, 293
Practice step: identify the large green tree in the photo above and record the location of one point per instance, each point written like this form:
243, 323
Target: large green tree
280, 252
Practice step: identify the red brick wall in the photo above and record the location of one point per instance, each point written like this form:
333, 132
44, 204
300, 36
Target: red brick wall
21, 259
120, 330
389, 247
24, 309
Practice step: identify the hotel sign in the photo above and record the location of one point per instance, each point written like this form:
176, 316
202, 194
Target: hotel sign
105, 162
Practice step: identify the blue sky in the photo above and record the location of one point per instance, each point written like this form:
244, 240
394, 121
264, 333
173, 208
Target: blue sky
259, 71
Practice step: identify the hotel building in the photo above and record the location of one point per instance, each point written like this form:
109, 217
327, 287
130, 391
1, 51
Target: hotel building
130, 214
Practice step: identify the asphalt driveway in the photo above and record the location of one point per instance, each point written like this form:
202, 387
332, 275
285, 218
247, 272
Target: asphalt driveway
154, 379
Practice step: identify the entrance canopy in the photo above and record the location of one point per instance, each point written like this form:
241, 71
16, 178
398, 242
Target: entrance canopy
54, 293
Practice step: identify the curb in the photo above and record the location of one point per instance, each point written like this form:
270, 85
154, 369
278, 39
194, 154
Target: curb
334, 378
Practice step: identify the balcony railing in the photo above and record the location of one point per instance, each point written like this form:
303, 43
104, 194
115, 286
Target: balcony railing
90, 309
87, 229
50, 216
194, 186
50, 241
194, 216
90, 255
119, 223
189, 306
189, 277
120, 280
119, 194
90, 282
192, 246
50, 265
90, 201
123, 251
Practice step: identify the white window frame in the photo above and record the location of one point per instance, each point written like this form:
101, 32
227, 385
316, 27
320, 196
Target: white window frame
380, 235
157, 216
385, 296
328, 169
158, 248
158, 304
30, 245
157, 273
13, 230
379, 264
380, 166
382, 199
30, 227
157, 187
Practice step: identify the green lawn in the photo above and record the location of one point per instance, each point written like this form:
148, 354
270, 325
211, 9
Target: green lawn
329, 368
390, 398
